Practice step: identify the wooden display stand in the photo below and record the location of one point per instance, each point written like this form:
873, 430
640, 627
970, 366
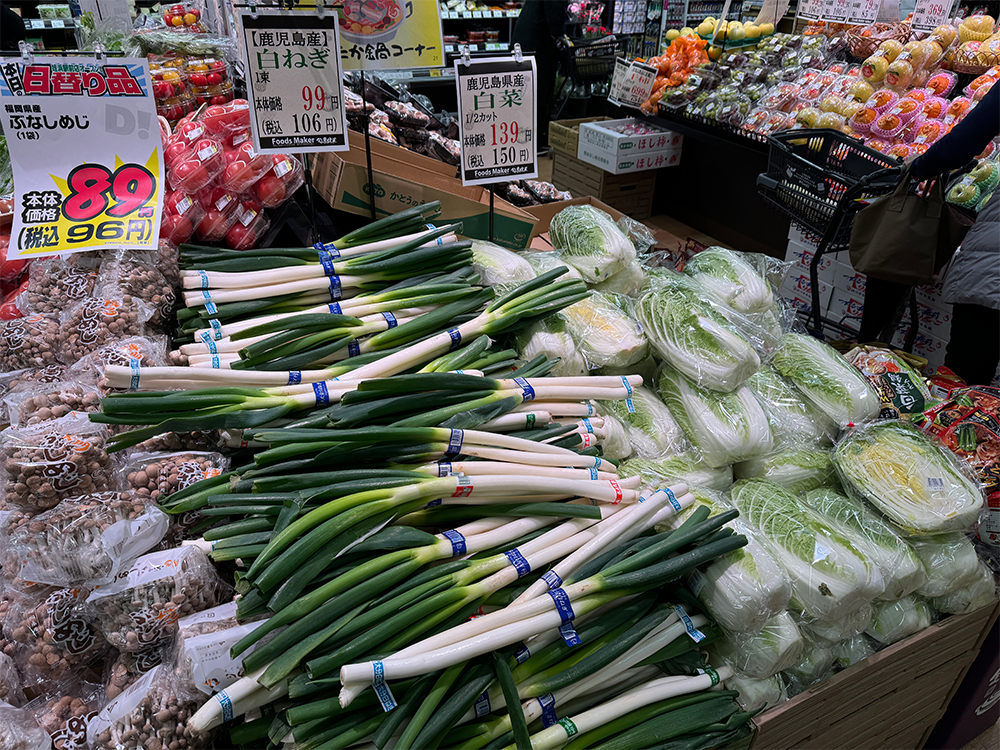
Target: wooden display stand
890, 700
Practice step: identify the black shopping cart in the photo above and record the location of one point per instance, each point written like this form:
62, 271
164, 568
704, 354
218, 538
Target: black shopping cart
586, 61
820, 179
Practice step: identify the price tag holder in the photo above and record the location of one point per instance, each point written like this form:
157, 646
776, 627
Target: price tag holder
496, 115
634, 85
477, 14
58, 23
810, 10
836, 10
863, 12
929, 14
296, 88
37, 23
86, 154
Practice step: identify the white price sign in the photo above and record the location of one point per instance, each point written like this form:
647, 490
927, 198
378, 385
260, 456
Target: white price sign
929, 14
85, 152
634, 85
296, 90
496, 116
811, 10
58, 24
863, 12
836, 10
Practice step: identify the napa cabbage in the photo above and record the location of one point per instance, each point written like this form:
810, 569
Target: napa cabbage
980, 592
591, 242
686, 467
689, 334
949, 560
724, 427
549, 338
901, 567
826, 379
829, 632
795, 469
756, 694
852, 650
793, 417
831, 577
603, 331
909, 478
546, 260
650, 426
498, 266
778, 646
894, 621
732, 279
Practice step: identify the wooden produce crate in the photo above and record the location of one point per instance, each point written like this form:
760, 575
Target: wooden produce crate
631, 193
564, 135
890, 700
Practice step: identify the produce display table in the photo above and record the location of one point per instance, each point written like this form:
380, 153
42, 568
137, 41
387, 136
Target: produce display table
714, 186
890, 700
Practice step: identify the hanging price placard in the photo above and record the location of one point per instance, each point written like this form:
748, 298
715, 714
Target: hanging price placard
633, 86
836, 11
929, 14
810, 10
85, 150
863, 12
496, 116
296, 90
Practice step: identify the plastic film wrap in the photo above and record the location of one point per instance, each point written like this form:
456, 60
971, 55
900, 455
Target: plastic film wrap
549, 338
796, 469
591, 242
687, 467
980, 592
894, 621
778, 646
652, 430
604, 332
793, 417
949, 561
732, 279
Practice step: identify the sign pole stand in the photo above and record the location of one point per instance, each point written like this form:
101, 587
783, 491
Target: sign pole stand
368, 146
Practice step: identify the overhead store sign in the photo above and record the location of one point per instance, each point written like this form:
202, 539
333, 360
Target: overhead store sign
85, 148
296, 87
496, 116
390, 34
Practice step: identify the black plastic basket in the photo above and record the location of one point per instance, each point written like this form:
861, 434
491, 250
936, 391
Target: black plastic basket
810, 173
590, 60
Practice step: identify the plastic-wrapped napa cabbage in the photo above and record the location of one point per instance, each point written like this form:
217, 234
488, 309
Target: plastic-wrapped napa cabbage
692, 336
686, 467
826, 379
724, 427
950, 562
831, 577
894, 621
613, 438
603, 331
548, 337
756, 694
796, 469
778, 646
731, 279
980, 592
627, 281
815, 665
852, 650
543, 261
591, 242
829, 632
902, 570
907, 477
793, 417
498, 266
648, 422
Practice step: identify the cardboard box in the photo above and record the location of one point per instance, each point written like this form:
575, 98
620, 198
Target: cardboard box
849, 280
626, 163
892, 699
631, 194
564, 135
934, 321
599, 136
846, 307
801, 255
932, 295
797, 292
543, 214
402, 180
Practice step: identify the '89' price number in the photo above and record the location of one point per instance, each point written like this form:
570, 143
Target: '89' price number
94, 190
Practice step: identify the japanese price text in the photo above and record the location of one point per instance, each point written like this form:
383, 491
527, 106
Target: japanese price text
85, 149
297, 95
496, 100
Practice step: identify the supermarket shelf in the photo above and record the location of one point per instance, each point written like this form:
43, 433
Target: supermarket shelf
456, 49
37, 24
450, 14
708, 131
428, 74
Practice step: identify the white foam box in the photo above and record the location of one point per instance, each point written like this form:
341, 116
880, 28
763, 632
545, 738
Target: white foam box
934, 321
846, 306
603, 136
802, 254
797, 291
624, 163
849, 280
